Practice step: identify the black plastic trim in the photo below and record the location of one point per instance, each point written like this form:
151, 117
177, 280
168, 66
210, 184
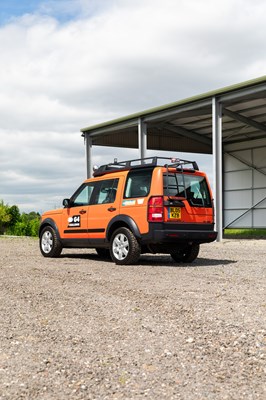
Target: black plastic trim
183, 226
84, 243
122, 219
49, 222
84, 230
179, 233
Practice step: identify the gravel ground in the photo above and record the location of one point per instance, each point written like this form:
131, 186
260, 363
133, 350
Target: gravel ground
80, 328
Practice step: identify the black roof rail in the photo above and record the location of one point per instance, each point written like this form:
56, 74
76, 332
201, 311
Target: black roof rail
177, 163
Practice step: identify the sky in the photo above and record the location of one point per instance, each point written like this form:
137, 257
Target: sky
69, 64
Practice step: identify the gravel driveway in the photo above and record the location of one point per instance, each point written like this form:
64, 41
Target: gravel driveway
80, 328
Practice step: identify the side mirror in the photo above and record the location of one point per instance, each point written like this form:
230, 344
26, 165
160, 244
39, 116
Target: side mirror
66, 203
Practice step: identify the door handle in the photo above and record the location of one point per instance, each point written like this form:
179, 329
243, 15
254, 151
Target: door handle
82, 211
111, 209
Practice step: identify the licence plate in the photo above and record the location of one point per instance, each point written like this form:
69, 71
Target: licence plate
175, 213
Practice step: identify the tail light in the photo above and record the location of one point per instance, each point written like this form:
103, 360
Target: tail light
155, 209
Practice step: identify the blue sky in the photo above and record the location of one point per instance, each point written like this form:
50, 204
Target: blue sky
17, 7
68, 64
62, 10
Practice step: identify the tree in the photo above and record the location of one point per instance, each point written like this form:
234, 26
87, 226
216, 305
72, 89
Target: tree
4, 217
14, 213
14, 223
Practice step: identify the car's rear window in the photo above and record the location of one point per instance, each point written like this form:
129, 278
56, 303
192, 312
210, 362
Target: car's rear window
138, 183
194, 188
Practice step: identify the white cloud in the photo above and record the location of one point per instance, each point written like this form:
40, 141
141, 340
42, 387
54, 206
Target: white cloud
112, 58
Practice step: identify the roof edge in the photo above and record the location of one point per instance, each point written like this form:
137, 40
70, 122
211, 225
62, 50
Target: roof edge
200, 97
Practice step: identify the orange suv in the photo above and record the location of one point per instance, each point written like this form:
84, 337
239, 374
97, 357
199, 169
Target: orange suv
149, 205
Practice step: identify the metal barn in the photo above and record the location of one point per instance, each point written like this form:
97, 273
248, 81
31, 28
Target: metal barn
229, 123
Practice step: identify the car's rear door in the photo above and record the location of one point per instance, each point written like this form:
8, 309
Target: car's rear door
187, 198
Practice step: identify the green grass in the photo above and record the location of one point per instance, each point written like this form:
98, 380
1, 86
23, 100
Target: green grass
245, 233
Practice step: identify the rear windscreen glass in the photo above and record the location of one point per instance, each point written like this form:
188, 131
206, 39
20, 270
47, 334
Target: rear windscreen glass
191, 187
138, 183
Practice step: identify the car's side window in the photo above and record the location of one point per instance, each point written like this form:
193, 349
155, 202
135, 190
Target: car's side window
105, 192
83, 196
138, 183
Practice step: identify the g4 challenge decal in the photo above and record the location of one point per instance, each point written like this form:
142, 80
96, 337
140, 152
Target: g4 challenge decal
74, 221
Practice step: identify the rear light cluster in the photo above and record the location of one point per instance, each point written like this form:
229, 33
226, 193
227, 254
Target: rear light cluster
155, 209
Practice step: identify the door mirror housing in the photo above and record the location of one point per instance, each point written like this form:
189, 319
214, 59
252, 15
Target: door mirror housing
66, 203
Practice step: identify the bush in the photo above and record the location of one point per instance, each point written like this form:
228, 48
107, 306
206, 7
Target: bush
14, 223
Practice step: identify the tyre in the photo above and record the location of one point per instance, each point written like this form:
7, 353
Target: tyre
124, 248
187, 255
103, 253
50, 246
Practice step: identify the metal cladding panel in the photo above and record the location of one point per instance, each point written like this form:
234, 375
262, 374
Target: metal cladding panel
260, 157
245, 145
237, 180
259, 218
124, 138
241, 221
259, 178
176, 143
233, 164
155, 141
259, 198
245, 188
240, 199
250, 106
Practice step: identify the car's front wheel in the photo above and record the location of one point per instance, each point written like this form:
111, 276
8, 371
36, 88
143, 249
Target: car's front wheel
50, 246
124, 248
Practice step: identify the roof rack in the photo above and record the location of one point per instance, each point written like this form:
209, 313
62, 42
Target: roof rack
177, 163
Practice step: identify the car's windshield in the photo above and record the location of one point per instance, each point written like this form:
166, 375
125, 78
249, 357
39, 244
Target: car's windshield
194, 188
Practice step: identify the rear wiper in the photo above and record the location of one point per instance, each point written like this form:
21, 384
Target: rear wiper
174, 202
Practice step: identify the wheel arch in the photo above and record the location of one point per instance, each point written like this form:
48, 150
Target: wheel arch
121, 221
49, 222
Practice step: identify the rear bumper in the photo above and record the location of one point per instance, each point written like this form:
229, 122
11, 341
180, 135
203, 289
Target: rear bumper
179, 233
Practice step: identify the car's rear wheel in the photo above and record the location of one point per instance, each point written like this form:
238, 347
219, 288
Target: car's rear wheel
50, 246
187, 255
124, 248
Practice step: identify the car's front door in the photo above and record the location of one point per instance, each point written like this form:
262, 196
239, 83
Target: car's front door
104, 206
75, 217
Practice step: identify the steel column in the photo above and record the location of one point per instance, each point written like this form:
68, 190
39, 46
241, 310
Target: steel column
217, 165
88, 143
142, 138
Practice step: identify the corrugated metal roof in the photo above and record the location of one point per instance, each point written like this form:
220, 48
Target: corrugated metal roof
186, 125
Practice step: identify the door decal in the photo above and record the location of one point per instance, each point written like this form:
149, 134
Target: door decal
74, 221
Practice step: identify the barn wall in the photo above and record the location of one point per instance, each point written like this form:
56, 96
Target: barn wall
245, 185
